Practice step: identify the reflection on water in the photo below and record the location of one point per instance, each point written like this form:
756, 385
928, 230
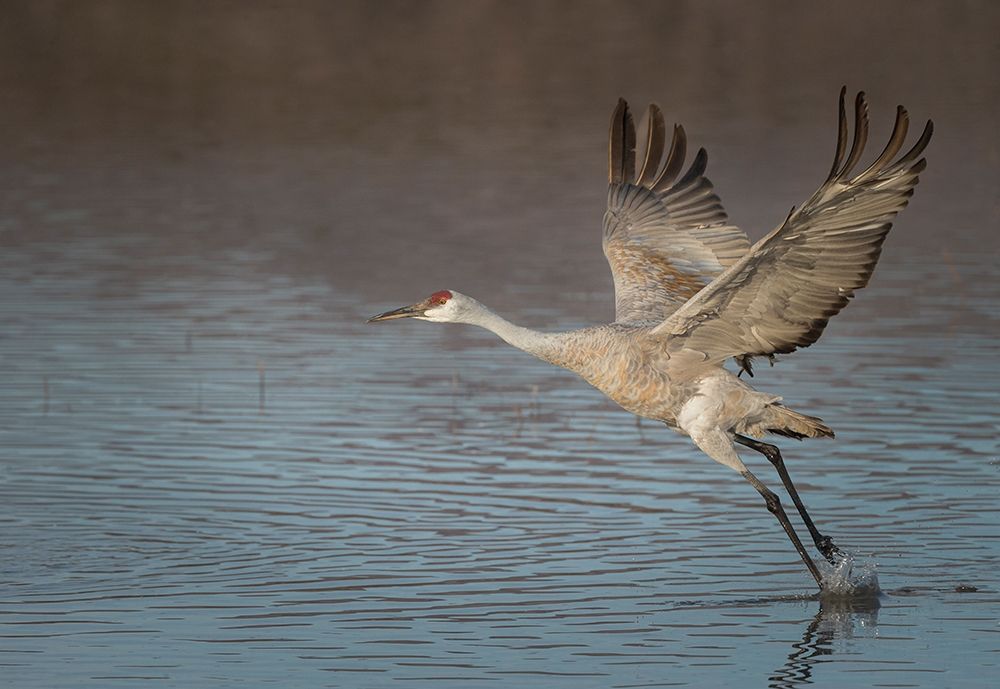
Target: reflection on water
213, 473
835, 620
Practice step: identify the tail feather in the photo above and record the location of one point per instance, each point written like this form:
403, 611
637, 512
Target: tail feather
792, 424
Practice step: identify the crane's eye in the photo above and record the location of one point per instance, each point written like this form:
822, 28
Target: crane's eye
440, 298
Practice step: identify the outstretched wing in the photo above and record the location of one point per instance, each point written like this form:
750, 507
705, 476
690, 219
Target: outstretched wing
780, 296
665, 240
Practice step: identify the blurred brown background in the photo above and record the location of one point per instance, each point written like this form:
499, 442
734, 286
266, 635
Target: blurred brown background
400, 147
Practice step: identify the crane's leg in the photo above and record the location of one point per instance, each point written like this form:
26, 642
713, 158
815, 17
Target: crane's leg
824, 543
775, 508
718, 445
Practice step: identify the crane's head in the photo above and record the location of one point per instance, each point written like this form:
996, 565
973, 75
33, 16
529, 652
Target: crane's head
441, 307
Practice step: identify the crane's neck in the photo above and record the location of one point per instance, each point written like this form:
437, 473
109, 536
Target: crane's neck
539, 344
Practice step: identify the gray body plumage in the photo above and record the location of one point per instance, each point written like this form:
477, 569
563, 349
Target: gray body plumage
633, 367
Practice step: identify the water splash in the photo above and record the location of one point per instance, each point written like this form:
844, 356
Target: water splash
850, 579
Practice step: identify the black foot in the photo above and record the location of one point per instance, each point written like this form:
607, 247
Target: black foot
829, 550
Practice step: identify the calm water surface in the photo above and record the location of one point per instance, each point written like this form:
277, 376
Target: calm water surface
214, 474
225, 477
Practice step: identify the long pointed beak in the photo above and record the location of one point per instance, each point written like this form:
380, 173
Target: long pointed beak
404, 312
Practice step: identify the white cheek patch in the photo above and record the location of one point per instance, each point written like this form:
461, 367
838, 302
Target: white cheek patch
439, 314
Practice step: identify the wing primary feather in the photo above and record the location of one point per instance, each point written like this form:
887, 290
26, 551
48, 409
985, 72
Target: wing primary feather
615, 143
896, 140
860, 134
675, 160
789, 216
838, 157
696, 170
918, 147
621, 147
628, 160
656, 135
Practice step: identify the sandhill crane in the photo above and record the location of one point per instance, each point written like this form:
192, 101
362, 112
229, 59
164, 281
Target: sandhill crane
691, 293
